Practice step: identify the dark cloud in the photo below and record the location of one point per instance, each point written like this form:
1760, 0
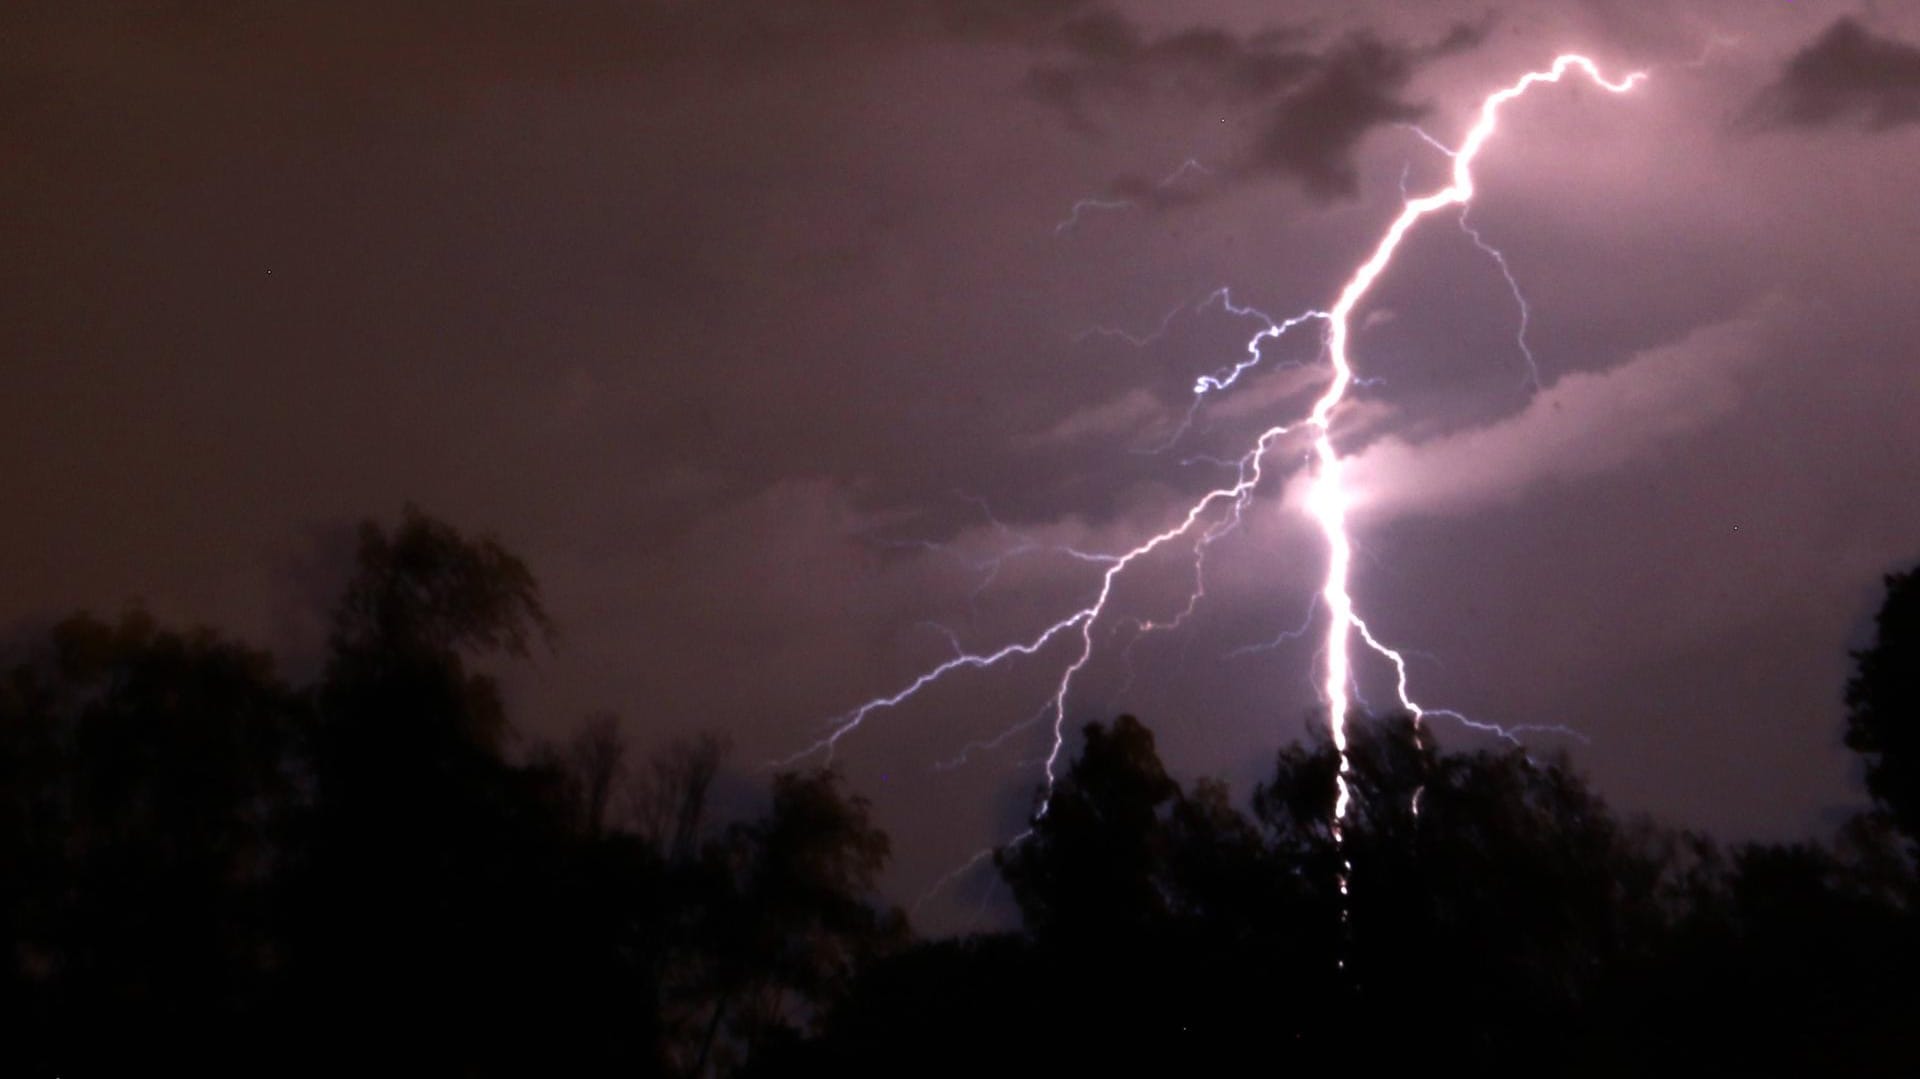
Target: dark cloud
444, 47
1848, 75
1322, 99
1314, 131
996, 18
1111, 60
306, 65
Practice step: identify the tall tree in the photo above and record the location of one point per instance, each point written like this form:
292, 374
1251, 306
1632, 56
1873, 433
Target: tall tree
1883, 704
429, 891
144, 785
1095, 861
784, 925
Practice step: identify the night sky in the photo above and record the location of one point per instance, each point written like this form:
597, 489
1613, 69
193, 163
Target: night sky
767, 332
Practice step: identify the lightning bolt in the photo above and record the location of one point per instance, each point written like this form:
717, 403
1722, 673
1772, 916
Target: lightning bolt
1081, 207
1186, 167
1085, 206
1219, 510
1499, 259
1326, 499
1137, 340
1526, 313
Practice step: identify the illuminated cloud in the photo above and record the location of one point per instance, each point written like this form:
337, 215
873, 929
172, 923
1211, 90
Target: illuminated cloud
1132, 411
1583, 425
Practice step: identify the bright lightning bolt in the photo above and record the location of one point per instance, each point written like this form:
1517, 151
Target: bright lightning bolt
1275, 330
1218, 511
1327, 499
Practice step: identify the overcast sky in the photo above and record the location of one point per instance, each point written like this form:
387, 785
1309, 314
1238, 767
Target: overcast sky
768, 331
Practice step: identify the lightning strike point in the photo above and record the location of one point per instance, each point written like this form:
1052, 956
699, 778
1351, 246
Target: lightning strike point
1326, 502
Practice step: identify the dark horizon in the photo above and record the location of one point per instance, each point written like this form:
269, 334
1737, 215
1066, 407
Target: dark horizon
208, 866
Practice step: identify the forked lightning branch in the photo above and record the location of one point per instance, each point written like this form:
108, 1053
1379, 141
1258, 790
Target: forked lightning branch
1217, 510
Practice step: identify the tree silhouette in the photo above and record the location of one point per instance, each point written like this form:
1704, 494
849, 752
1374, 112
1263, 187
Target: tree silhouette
143, 774
425, 589
221, 869
667, 802
786, 923
1883, 704
432, 882
1488, 892
1168, 929
1096, 862
377, 870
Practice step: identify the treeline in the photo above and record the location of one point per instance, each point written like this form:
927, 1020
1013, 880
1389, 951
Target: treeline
205, 869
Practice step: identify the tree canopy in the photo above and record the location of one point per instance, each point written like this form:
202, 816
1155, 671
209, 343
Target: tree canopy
1883, 704
203, 865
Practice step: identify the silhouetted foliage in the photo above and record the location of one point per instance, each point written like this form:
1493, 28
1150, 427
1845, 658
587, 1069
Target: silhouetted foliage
426, 856
788, 923
1496, 916
203, 867
425, 588
144, 783
1883, 704
668, 801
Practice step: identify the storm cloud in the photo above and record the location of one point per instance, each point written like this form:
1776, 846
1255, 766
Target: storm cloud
1848, 76
1315, 100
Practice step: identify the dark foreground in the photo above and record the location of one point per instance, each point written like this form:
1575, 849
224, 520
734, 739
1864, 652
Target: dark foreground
205, 870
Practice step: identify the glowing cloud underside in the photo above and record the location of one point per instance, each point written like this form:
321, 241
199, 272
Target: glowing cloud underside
1218, 511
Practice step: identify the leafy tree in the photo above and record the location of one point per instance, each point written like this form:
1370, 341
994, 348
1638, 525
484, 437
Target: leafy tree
667, 801
220, 868
1488, 892
1883, 704
785, 924
143, 784
1095, 863
1169, 929
201, 865
436, 876
1164, 918
427, 589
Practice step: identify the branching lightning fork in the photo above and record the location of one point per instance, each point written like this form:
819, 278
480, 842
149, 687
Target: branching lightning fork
1326, 502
